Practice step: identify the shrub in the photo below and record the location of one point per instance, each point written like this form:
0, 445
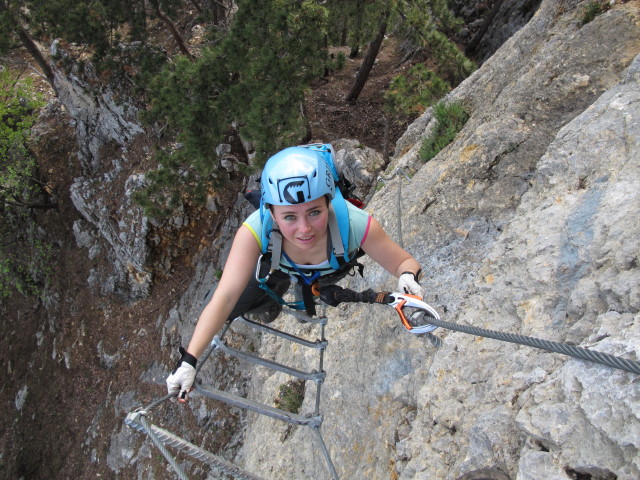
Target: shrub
450, 118
591, 10
415, 91
24, 255
291, 396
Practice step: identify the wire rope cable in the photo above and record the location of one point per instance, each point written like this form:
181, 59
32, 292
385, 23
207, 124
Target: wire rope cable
571, 350
162, 437
163, 449
399, 172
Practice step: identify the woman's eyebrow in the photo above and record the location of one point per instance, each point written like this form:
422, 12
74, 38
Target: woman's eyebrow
295, 212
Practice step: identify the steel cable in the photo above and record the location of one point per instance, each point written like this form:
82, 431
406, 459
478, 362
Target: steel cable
160, 445
571, 350
162, 437
399, 172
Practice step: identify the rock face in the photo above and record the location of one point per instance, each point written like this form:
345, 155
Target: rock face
119, 235
527, 223
114, 226
100, 117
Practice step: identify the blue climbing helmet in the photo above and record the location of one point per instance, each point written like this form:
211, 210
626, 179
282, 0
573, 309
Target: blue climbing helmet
297, 175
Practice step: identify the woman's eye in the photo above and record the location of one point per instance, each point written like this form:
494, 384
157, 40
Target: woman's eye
314, 213
289, 218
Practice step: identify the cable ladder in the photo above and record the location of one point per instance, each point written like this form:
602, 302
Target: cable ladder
139, 419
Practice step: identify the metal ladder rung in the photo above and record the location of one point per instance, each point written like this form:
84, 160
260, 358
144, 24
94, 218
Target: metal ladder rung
161, 437
237, 401
294, 372
304, 318
319, 344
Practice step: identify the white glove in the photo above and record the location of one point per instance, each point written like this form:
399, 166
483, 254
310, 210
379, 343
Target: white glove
408, 283
181, 379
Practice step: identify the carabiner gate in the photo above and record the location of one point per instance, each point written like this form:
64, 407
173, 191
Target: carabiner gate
418, 311
259, 278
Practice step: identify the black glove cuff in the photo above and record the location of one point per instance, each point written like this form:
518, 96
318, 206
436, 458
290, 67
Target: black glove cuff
416, 276
187, 357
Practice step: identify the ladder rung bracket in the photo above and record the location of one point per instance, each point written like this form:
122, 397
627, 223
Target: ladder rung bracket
294, 372
319, 344
261, 408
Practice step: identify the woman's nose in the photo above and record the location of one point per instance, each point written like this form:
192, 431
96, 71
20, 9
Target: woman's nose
304, 225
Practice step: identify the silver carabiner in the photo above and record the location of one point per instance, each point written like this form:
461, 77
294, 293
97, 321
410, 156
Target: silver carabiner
417, 312
260, 279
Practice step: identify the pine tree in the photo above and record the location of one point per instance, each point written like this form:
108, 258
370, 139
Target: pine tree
255, 78
369, 57
14, 30
425, 24
275, 50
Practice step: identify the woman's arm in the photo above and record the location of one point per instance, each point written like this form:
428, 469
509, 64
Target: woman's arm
387, 253
239, 267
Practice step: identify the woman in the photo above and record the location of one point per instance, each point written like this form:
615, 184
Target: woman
297, 218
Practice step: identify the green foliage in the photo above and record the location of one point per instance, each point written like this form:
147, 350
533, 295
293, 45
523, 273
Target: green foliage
132, 65
256, 77
24, 257
591, 10
19, 106
451, 62
275, 49
450, 118
86, 23
100, 26
290, 396
6, 31
337, 62
426, 24
187, 101
412, 93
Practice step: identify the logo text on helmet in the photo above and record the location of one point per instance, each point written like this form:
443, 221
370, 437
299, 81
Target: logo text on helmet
328, 177
294, 190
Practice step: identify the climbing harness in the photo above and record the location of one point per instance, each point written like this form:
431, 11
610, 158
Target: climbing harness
399, 172
307, 279
421, 318
262, 283
162, 438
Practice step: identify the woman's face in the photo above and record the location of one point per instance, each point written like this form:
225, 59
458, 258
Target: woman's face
304, 224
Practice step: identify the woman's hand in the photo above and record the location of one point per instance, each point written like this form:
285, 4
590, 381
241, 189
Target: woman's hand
408, 283
180, 382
